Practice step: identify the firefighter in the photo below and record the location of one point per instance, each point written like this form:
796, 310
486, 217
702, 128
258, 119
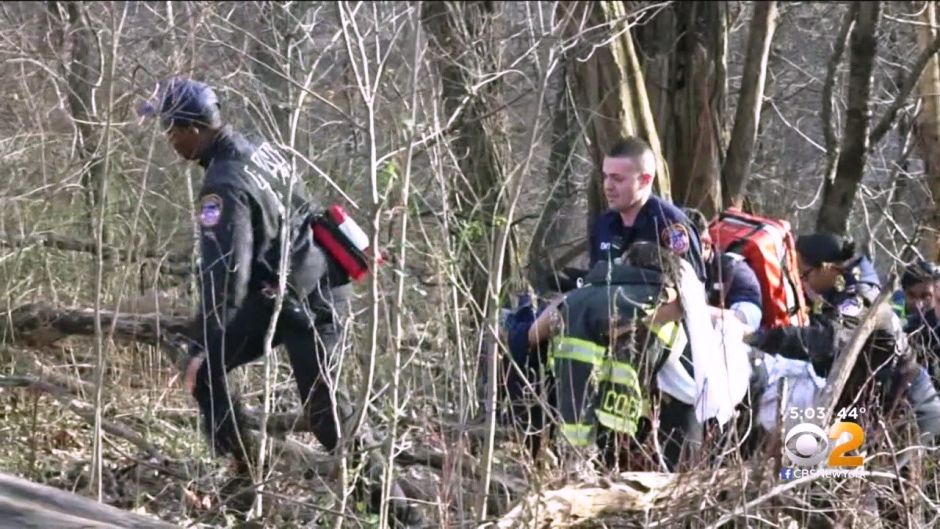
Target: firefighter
841, 292
249, 192
618, 330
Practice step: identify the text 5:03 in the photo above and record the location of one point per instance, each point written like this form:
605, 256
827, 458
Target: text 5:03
807, 413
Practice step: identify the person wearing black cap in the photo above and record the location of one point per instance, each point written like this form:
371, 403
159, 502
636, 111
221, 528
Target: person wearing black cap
841, 293
249, 196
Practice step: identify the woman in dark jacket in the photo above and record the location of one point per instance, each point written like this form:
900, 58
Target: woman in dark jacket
841, 290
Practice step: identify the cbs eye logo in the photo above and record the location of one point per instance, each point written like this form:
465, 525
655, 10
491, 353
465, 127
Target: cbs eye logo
807, 444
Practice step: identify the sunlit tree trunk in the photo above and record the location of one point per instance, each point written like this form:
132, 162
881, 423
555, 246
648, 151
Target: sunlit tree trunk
609, 88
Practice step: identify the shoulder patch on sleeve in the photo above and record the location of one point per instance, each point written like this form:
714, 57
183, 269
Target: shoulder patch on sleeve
676, 238
210, 210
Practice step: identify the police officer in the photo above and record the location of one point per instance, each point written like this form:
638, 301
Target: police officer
730, 283
618, 330
841, 293
249, 194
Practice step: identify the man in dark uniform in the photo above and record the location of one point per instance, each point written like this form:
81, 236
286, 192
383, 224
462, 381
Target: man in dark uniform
248, 195
635, 213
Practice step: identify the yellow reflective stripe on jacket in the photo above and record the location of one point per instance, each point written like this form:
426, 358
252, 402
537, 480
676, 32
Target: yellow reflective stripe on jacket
617, 423
667, 332
578, 434
620, 373
578, 350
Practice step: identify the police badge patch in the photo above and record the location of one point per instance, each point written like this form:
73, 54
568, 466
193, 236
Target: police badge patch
210, 210
676, 238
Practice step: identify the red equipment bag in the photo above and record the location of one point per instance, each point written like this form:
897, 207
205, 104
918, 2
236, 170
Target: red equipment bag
769, 249
342, 238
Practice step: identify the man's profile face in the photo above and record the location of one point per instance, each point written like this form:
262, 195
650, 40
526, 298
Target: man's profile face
184, 141
624, 181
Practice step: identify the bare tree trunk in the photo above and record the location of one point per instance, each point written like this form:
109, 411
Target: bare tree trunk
927, 130
839, 193
683, 52
737, 166
273, 65
829, 133
609, 87
547, 234
464, 44
80, 53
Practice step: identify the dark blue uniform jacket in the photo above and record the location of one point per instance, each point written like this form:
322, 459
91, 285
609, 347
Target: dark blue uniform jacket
658, 222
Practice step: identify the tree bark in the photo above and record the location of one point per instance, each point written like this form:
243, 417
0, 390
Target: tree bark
464, 45
81, 57
683, 50
273, 66
832, 66
927, 131
737, 165
609, 88
547, 235
839, 193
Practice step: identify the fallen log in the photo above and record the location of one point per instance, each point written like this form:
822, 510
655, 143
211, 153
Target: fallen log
24, 504
42, 324
634, 492
169, 263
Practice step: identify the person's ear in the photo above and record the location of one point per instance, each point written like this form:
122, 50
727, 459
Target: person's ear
646, 179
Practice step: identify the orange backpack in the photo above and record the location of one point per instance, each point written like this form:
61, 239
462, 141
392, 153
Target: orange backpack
769, 249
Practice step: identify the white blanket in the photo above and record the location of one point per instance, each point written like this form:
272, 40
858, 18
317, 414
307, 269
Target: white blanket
719, 357
803, 385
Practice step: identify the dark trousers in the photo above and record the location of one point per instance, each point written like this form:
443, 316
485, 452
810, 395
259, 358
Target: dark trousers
310, 332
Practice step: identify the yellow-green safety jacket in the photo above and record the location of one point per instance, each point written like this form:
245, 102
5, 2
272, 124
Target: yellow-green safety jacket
606, 359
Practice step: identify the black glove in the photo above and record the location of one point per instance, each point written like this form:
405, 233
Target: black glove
755, 338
